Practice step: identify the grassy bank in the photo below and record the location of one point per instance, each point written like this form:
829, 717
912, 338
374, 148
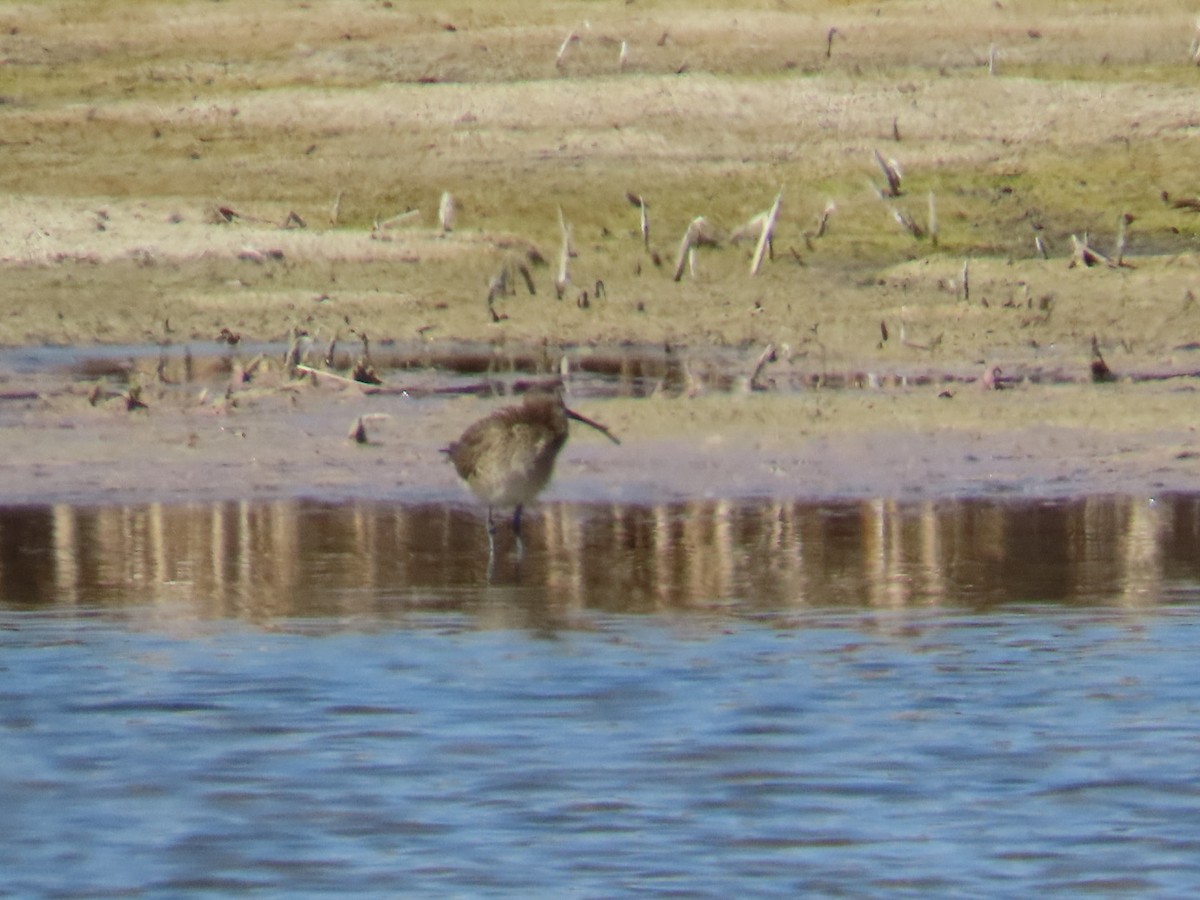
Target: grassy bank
128, 124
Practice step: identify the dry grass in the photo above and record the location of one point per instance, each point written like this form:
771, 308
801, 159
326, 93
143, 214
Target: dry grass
125, 123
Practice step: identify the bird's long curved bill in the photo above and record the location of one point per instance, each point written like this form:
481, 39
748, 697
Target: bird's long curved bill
571, 414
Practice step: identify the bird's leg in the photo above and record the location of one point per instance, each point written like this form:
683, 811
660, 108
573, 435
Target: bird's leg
491, 533
516, 527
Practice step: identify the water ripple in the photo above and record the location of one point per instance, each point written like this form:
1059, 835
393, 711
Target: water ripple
499, 746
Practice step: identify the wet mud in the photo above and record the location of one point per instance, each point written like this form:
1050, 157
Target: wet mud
148, 424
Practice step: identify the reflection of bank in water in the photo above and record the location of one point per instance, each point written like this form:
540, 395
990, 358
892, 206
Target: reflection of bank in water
416, 368
266, 562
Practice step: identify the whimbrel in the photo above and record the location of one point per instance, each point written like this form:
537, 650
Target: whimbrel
507, 458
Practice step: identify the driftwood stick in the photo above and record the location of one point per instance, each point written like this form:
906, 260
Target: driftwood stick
767, 356
698, 234
768, 232
932, 224
564, 257
891, 172
572, 38
341, 379
397, 219
446, 212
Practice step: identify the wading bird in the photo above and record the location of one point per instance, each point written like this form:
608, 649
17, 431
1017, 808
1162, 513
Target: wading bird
507, 458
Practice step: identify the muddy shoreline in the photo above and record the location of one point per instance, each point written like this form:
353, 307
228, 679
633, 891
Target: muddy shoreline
278, 440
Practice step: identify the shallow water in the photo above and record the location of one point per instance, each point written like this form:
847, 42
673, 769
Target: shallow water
419, 368
708, 699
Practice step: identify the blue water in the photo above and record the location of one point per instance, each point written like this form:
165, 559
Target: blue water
487, 741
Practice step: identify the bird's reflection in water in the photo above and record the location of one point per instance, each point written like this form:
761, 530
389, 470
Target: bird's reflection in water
368, 561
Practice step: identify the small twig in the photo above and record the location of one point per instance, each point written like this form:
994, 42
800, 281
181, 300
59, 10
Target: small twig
297, 347
908, 223
341, 379
1122, 236
564, 257
698, 234
358, 431
932, 227
1101, 373
823, 219
396, 219
640, 202
751, 229
572, 38
244, 374
891, 171
498, 286
527, 276
364, 373
767, 356
133, 399
446, 212
992, 379
1086, 256
768, 231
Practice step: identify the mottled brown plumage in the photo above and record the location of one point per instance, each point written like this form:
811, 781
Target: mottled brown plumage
507, 458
